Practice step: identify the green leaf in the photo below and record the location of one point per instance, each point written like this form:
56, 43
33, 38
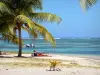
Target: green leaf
32, 33
6, 27
85, 4
5, 8
43, 31
11, 38
35, 4
43, 17
6, 18
23, 19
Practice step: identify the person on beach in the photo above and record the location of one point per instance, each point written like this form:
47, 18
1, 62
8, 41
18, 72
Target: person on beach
0, 53
35, 53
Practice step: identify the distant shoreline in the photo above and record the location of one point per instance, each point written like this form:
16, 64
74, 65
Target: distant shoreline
63, 38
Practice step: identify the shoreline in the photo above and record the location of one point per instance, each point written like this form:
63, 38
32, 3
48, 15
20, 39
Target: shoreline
88, 56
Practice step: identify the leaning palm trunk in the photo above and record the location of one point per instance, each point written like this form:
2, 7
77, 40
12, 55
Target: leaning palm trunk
20, 38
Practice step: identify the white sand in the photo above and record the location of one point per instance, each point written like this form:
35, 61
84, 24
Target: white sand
79, 60
43, 71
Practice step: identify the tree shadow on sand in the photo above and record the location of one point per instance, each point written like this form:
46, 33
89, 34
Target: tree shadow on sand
4, 56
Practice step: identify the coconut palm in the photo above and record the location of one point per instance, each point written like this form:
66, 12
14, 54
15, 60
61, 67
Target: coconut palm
20, 14
87, 3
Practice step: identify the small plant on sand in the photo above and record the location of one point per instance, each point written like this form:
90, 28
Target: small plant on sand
53, 65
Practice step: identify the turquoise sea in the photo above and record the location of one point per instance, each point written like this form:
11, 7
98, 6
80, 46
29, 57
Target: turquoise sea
89, 46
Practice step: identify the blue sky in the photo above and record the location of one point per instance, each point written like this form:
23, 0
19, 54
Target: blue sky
75, 22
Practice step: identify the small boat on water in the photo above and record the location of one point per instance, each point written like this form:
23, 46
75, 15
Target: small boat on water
30, 45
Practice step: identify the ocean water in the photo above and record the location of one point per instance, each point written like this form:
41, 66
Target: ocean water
90, 46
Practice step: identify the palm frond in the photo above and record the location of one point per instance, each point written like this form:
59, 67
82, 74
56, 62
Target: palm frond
6, 18
87, 3
23, 19
35, 4
4, 8
46, 17
11, 38
6, 27
43, 31
6, 1
27, 11
31, 32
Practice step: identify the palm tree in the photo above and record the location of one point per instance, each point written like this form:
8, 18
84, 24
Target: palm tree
87, 3
20, 14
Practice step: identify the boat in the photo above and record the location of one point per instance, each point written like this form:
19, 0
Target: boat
30, 45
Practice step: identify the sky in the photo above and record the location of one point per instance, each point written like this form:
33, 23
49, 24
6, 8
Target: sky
75, 22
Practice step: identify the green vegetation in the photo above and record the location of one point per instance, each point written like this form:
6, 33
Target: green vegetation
87, 3
16, 15
53, 64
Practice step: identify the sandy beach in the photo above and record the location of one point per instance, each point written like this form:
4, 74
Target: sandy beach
43, 71
27, 65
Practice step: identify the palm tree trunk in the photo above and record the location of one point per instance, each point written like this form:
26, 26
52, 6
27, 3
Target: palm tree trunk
20, 38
